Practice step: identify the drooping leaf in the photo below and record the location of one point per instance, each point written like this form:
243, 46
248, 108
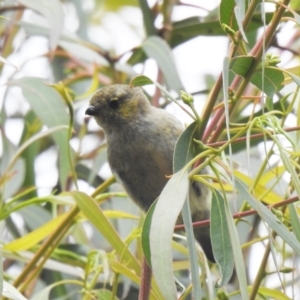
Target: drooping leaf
49, 106
95, 215
164, 217
236, 249
220, 237
268, 217
34, 237
148, 17
295, 220
183, 152
157, 48
146, 233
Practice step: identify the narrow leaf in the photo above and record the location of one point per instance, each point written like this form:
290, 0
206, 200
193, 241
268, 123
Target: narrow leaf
149, 18
156, 48
49, 106
188, 225
183, 152
295, 220
237, 253
182, 155
166, 212
146, 233
268, 217
34, 237
220, 237
95, 215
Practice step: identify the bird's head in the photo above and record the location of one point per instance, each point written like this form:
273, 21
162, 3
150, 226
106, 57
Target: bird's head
117, 104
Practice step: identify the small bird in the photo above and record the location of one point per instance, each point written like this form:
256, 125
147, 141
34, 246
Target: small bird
140, 146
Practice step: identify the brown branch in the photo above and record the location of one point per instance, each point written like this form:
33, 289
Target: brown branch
145, 281
243, 214
253, 136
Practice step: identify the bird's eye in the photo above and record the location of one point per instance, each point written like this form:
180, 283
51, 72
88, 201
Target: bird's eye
114, 103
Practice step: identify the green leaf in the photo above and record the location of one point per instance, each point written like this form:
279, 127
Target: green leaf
106, 295
295, 4
295, 220
227, 15
140, 80
271, 83
156, 48
146, 233
268, 217
240, 65
271, 293
148, 17
188, 225
96, 216
34, 237
137, 56
220, 237
273, 77
164, 218
117, 4
182, 155
183, 152
32, 125
237, 253
192, 27
49, 106
53, 11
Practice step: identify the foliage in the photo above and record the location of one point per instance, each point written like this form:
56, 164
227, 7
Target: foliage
70, 233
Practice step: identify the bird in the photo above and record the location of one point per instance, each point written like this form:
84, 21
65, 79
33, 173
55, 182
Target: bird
140, 145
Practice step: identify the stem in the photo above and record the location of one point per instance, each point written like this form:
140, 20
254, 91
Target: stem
145, 281
261, 272
218, 86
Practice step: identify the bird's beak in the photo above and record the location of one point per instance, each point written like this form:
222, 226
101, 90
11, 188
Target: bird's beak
91, 111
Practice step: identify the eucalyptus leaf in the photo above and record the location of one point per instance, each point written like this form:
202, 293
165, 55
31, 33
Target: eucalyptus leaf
49, 106
240, 65
183, 152
268, 217
220, 237
157, 48
295, 220
164, 218
96, 216
269, 81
